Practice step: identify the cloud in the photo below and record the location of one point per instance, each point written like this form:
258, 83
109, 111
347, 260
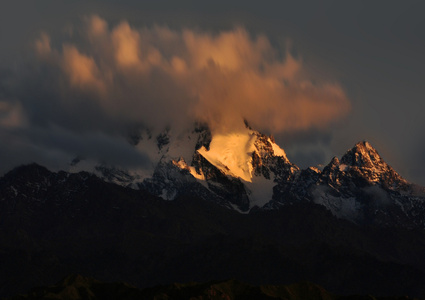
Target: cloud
377, 196
42, 44
126, 45
96, 26
109, 79
56, 147
232, 50
81, 69
11, 115
114, 150
217, 78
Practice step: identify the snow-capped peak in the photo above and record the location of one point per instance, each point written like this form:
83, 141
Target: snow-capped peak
232, 153
362, 155
366, 162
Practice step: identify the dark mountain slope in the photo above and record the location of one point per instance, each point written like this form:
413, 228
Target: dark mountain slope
54, 224
76, 287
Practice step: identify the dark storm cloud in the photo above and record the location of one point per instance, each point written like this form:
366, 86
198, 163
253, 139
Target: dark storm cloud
308, 156
307, 148
416, 159
94, 145
44, 123
56, 148
43, 93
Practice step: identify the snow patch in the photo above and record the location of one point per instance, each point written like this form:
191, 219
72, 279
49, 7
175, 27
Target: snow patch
235, 207
261, 191
193, 172
232, 153
341, 207
343, 167
181, 163
15, 191
277, 150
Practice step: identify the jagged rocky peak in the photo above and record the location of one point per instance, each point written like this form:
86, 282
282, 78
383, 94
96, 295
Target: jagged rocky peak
363, 155
137, 133
266, 146
333, 164
28, 172
163, 138
332, 170
205, 135
363, 160
242, 153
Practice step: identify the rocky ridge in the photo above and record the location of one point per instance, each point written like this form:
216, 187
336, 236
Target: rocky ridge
360, 187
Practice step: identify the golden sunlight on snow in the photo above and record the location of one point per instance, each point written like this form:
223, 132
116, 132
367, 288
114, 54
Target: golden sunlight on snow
231, 153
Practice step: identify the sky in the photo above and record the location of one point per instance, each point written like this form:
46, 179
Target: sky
77, 76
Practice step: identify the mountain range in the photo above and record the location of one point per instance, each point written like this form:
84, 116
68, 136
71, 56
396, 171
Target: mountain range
216, 206
246, 170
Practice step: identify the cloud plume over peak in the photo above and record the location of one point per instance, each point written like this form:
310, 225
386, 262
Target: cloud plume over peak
105, 80
158, 75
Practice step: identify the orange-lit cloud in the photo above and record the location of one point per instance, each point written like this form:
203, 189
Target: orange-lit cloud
232, 50
42, 44
126, 45
97, 26
158, 75
81, 69
11, 115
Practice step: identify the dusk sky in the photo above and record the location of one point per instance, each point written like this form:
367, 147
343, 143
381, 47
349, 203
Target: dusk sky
76, 76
